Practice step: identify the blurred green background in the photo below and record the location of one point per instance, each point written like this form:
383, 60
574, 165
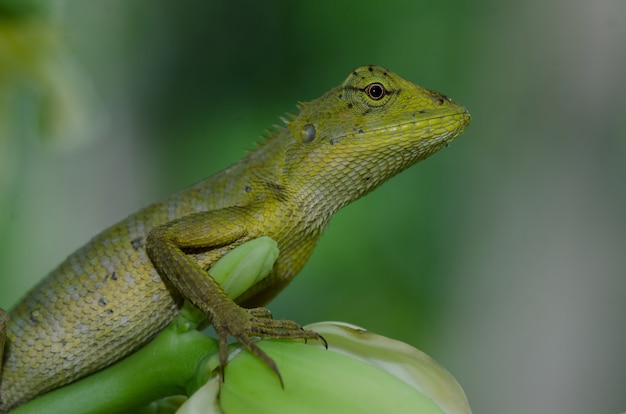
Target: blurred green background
503, 256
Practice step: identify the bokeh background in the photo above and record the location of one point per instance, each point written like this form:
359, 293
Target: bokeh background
503, 256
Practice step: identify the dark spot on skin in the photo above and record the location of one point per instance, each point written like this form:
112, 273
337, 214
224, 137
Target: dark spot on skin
367, 111
247, 188
112, 276
63, 343
331, 142
109, 311
385, 74
422, 111
340, 96
137, 243
33, 320
349, 106
276, 189
360, 130
371, 69
354, 73
102, 302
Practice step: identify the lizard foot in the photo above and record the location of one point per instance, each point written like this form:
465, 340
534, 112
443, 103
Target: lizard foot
257, 322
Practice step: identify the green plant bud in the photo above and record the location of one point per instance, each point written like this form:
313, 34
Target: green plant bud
361, 372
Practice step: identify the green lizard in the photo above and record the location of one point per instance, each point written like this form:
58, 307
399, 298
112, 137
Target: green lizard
115, 293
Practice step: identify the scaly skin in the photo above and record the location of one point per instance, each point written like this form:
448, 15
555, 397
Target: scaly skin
114, 294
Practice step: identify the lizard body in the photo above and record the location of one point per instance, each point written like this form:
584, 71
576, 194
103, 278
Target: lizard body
115, 293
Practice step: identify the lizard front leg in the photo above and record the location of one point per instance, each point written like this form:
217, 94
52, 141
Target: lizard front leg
166, 246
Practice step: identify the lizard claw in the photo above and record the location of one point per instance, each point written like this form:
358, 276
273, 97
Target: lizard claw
257, 322
260, 313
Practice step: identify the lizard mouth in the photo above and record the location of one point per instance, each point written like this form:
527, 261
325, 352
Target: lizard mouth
443, 126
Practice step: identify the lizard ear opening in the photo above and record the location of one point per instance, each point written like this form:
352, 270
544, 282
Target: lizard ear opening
308, 133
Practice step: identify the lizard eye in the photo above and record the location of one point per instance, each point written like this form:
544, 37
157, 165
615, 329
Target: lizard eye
375, 91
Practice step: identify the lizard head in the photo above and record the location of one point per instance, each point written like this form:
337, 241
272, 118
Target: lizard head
374, 125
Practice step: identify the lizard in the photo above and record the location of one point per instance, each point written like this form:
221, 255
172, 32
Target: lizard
119, 290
